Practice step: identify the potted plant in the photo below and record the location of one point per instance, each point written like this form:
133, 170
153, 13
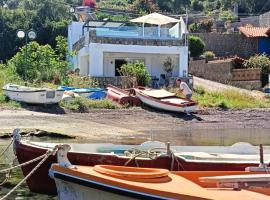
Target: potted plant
168, 69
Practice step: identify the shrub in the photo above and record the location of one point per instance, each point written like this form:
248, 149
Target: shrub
82, 105
227, 16
136, 70
196, 46
168, 65
202, 26
208, 55
258, 61
43, 63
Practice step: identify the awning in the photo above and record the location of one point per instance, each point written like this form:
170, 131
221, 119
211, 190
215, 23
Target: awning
156, 19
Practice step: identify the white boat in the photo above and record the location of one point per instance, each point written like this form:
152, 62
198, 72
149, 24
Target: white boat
164, 100
33, 95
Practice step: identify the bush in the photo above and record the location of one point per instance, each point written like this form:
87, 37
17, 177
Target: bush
82, 105
259, 61
227, 16
196, 46
202, 26
208, 55
43, 63
136, 70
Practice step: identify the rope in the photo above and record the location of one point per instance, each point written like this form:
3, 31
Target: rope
3, 152
23, 164
153, 154
45, 157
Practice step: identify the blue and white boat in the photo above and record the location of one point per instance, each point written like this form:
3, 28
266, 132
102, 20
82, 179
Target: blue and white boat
90, 93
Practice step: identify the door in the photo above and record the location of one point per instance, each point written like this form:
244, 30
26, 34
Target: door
264, 46
118, 64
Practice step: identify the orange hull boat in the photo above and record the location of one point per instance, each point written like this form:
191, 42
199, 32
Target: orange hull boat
117, 182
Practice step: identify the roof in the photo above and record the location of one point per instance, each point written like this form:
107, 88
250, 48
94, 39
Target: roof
254, 32
155, 18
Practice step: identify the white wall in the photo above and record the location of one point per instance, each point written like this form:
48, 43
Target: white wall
74, 33
154, 57
153, 62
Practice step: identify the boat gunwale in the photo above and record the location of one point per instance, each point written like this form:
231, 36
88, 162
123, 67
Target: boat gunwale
29, 145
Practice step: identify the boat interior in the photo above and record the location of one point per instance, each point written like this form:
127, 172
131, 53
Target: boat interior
240, 152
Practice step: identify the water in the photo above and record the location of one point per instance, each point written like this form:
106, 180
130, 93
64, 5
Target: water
219, 137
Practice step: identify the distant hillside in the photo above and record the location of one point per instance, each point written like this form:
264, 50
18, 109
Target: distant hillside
178, 6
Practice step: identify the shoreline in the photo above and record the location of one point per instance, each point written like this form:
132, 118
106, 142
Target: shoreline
136, 125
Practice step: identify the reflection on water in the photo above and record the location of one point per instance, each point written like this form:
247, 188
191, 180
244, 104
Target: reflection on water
221, 137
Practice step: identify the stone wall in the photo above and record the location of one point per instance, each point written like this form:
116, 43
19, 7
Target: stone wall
219, 71
229, 44
264, 19
222, 72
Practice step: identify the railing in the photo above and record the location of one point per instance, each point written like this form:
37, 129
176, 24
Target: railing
138, 32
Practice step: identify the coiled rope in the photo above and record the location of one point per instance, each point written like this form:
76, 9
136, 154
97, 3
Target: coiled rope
43, 157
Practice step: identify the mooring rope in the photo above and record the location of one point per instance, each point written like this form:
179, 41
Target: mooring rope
23, 164
45, 157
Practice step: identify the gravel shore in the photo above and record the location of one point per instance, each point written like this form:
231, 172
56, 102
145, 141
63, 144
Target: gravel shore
136, 125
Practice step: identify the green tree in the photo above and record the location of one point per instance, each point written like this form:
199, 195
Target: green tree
196, 46
43, 63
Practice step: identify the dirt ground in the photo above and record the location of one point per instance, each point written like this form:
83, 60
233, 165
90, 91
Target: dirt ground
136, 125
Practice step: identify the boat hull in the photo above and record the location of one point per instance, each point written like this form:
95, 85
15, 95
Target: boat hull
163, 105
35, 97
122, 97
72, 191
40, 182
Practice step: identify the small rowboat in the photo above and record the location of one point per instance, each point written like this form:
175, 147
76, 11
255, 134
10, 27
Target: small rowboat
108, 154
129, 183
122, 96
164, 100
91, 93
33, 95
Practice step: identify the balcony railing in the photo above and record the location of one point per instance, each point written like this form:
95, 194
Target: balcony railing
138, 32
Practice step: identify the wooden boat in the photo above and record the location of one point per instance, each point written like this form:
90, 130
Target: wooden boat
33, 95
109, 154
164, 100
129, 183
122, 96
91, 93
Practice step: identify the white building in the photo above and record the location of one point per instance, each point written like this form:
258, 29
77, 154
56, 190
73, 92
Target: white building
103, 47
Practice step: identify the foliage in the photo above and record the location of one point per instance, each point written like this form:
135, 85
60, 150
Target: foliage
90, 3
259, 61
136, 70
197, 5
208, 55
196, 46
5, 101
168, 65
82, 82
37, 63
81, 104
227, 16
229, 99
145, 6
203, 26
